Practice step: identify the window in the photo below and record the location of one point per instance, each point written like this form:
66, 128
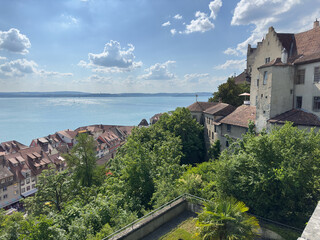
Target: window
27, 175
265, 77
23, 190
228, 128
4, 189
0, 198
317, 74
22, 182
316, 104
215, 128
212, 135
27, 180
5, 196
300, 76
209, 133
33, 186
227, 143
299, 102
33, 179
258, 82
267, 59
28, 188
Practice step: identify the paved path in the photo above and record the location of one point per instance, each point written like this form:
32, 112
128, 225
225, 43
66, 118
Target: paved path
167, 227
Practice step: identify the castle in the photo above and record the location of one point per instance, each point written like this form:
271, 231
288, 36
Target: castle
284, 73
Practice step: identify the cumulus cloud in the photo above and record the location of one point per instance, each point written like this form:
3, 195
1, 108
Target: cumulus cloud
14, 41
3, 58
286, 16
203, 23
112, 59
173, 31
166, 24
231, 51
177, 16
22, 67
159, 71
214, 7
232, 64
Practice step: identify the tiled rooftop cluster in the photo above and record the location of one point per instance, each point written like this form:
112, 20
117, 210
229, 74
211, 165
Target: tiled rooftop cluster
21, 165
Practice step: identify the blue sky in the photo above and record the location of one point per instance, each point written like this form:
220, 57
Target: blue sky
116, 46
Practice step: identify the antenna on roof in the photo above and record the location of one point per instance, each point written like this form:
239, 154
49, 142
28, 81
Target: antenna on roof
196, 97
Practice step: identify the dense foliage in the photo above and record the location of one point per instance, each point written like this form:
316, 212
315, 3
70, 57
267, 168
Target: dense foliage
277, 174
229, 92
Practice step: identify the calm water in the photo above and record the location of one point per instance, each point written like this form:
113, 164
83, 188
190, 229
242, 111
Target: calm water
24, 119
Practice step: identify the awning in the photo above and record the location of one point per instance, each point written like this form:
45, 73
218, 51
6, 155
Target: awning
9, 202
26, 194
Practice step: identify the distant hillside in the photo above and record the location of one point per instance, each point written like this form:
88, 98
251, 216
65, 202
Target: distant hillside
83, 94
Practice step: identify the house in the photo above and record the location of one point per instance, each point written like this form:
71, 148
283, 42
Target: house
68, 136
11, 147
285, 78
197, 110
155, 118
9, 189
212, 117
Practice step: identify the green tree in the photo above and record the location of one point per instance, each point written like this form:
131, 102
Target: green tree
55, 189
226, 219
214, 150
83, 160
181, 124
229, 92
276, 174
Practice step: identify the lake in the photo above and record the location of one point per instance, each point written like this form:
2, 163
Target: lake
24, 119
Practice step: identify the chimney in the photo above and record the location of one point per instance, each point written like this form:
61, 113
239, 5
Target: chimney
316, 23
284, 56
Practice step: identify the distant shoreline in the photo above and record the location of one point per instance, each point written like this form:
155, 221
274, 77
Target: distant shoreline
82, 94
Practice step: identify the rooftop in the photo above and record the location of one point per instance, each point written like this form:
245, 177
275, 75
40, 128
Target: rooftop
241, 116
201, 106
298, 117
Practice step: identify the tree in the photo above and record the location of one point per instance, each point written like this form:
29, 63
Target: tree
229, 92
181, 124
83, 160
214, 150
55, 189
226, 219
277, 174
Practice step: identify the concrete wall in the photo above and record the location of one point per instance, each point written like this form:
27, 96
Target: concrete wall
153, 222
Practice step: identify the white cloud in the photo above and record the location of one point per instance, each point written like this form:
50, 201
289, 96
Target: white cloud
95, 79
112, 59
232, 64
3, 58
202, 24
173, 31
196, 77
286, 16
68, 21
177, 16
53, 74
22, 67
215, 6
14, 41
159, 71
166, 24
231, 51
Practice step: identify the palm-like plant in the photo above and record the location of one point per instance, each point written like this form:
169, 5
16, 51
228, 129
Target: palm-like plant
226, 219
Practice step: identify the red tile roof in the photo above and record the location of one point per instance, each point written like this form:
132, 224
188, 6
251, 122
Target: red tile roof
298, 117
201, 106
241, 116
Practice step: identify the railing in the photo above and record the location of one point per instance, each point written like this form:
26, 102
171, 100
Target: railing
144, 217
198, 200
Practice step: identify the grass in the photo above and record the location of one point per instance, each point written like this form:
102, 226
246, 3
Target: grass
186, 231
